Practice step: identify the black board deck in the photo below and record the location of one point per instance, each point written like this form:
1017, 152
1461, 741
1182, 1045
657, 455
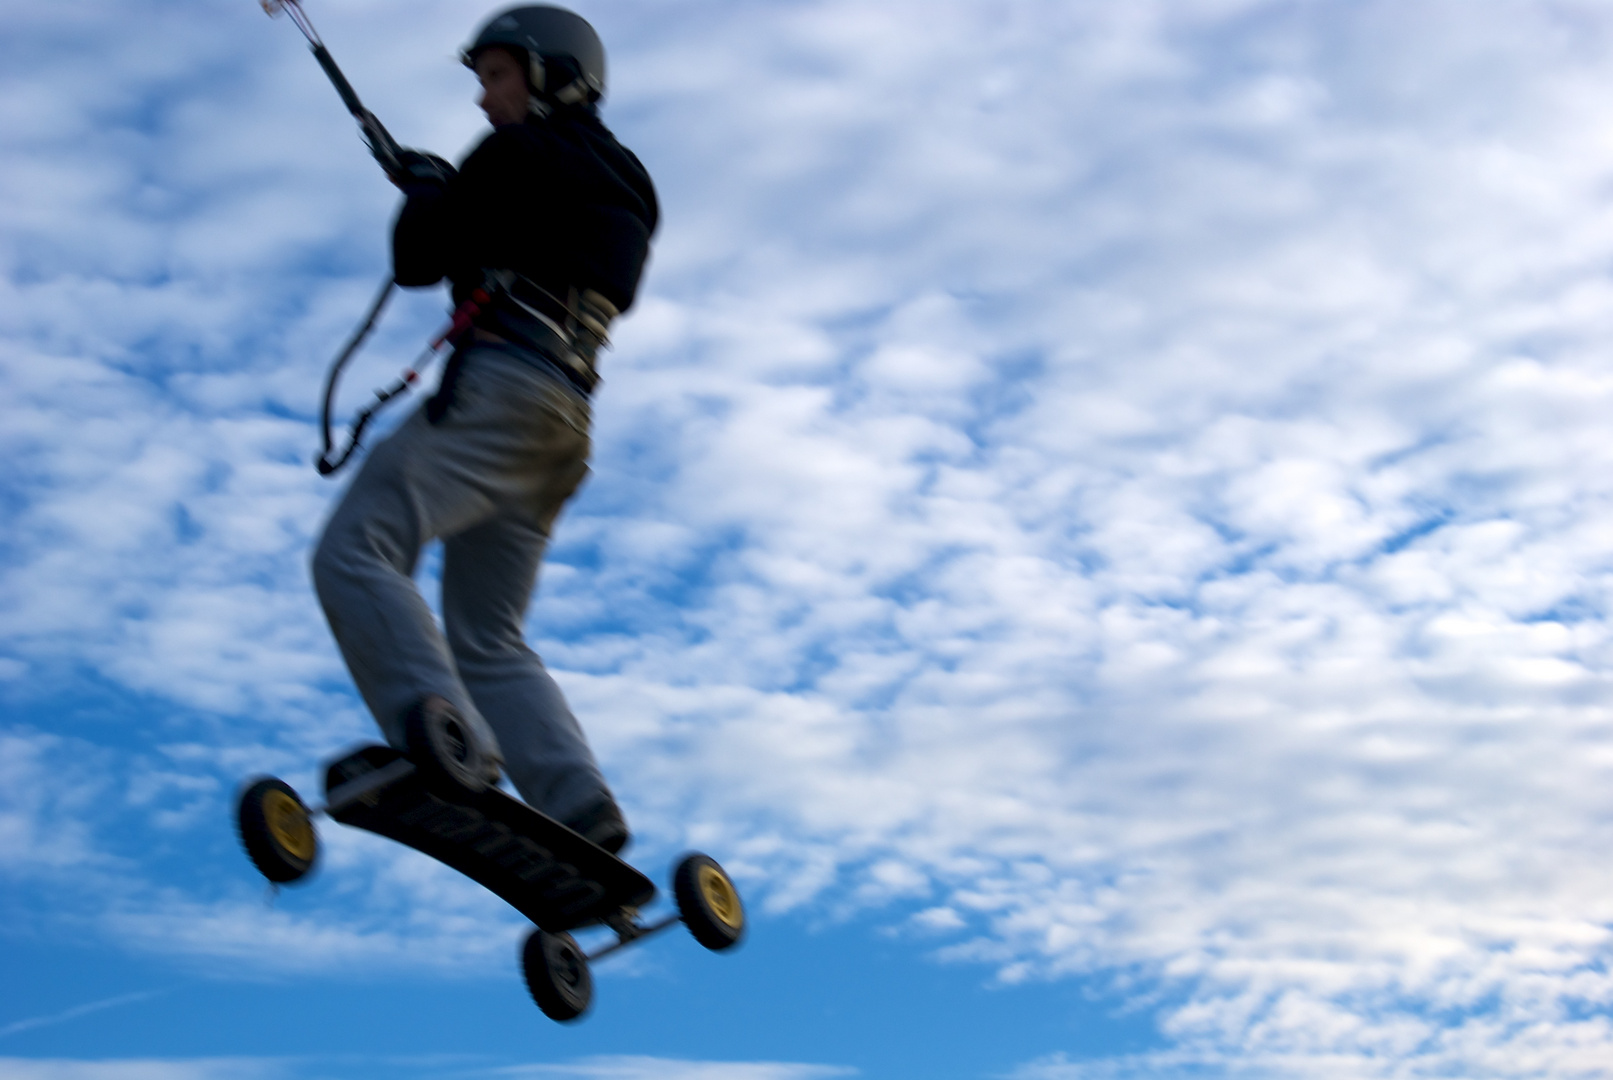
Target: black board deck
545, 871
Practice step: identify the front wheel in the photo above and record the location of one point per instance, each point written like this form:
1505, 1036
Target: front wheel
557, 975
276, 830
708, 902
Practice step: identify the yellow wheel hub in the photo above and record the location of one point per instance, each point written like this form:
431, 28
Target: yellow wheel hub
289, 826
720, 896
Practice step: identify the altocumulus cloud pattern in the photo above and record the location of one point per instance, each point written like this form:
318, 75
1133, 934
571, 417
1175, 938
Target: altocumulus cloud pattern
1118, 491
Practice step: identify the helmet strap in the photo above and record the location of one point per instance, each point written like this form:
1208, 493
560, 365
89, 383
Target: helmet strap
573, 93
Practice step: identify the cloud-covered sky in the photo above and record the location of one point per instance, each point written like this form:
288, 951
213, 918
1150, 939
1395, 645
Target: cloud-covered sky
1100, 494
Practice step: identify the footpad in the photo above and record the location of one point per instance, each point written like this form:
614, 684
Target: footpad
550, 874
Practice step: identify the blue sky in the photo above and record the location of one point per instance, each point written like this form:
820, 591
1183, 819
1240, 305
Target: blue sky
1100, 520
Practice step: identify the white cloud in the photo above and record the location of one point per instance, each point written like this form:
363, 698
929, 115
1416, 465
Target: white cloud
139, 1069
49, 787
627, 1067
32, 1022
597, 1068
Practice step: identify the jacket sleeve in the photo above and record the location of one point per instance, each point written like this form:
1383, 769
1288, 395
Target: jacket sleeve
421, 237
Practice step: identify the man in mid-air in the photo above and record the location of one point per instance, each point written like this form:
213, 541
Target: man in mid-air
551, 217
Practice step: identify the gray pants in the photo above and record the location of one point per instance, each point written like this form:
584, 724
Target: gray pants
488, 479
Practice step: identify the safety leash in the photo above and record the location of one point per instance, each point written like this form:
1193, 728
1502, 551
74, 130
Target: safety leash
458, 324
324, 463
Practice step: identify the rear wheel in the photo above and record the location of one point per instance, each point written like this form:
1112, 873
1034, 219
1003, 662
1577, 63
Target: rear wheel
557, 975
708, 902
276, 830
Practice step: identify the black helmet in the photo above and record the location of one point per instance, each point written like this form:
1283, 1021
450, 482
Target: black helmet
553, 40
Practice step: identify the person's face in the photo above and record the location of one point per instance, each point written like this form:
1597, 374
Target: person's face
504, 90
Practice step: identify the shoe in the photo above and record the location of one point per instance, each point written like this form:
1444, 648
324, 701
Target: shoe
448, 748
603, 824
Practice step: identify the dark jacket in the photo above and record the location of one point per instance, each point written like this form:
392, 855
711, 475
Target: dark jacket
555, 199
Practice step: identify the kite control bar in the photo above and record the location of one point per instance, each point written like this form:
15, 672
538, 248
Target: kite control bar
376, 137
387, 151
